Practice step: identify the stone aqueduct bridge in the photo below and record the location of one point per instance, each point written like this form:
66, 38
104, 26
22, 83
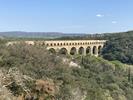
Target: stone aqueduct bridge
72, 47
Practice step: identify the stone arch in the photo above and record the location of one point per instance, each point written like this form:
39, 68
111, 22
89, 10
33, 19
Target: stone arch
54, 44
51, 44
99, 49
43, 43
88, 50
58, 44
81, 50
52, 50
73, 51
94, 50
63, 51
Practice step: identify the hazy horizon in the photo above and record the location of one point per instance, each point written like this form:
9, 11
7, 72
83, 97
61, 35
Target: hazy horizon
65, 32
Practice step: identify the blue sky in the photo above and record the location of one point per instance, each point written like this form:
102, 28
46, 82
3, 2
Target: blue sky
70, 16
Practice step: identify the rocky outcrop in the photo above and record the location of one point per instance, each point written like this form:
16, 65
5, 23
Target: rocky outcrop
70, 63
78, 94
73, 64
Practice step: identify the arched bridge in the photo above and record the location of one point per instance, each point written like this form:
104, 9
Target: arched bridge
72, 47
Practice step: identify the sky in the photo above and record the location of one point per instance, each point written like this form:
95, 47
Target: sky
68, 16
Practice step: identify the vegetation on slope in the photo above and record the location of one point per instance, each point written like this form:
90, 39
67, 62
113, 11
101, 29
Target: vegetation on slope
119, 47
97, 79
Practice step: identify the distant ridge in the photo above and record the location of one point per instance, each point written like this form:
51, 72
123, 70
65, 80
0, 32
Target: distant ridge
22, 34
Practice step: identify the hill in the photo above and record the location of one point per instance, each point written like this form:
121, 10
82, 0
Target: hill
32, 72
119, 47
20, 34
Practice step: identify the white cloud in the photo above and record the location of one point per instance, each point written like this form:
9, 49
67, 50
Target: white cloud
99, 15
114, 22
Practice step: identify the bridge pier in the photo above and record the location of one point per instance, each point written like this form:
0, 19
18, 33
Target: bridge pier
68, 50
91, 52
84, 51
96, 51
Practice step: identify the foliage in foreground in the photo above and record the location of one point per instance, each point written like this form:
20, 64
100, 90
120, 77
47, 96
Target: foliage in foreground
97, 79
